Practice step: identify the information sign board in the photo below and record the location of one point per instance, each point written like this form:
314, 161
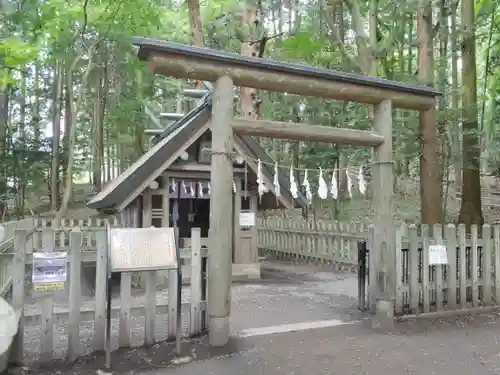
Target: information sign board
142, 249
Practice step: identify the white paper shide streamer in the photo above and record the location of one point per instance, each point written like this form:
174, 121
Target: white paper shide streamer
173, 185
200, 190
234, 187
361, 181
334, 189
209, 189
261, 189
322, 188
307, 187
276, 182
184, 187
293, 184
349, 183
192, 189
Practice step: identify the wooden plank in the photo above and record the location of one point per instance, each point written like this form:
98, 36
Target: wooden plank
463, 265
487, 260
149, 277
425, 269
18, 292
88, 314
195, 321
237, 248
100, 290
90, 255
496, 252
451, 242
150, 321
47, 303
75, 241
179, 66
413, 267
373, 289
125, 302
438, 237
474, 265
172, 304
306, 132
399, 271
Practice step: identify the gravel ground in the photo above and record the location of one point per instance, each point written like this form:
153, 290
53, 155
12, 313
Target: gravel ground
286, 294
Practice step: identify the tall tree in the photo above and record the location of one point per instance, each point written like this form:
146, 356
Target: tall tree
470, 210
430, 176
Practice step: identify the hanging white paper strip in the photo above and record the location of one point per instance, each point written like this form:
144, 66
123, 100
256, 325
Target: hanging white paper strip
322, 188
261, 189
276, 182
334, 190
361, 181
200, 189
349, 183
209, 189
234, 187
173, 185
293, 184
192, 189
307, 187
184, 187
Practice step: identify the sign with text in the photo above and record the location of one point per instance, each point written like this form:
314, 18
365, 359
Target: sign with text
247, 219
437, 255
50, 271
142, 249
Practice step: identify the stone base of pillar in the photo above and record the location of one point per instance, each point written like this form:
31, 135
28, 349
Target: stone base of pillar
248, 271
383, 320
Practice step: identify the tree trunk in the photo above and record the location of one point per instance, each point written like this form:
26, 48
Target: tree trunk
248, 96
456, 129
72, 113
4, 117
56, 136
442, 107
430, 177
470, 210
196, 30
101, 92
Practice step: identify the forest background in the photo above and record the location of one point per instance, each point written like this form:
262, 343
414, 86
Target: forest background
75, 101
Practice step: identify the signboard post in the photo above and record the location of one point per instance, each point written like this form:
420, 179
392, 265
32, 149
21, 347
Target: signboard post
141, 249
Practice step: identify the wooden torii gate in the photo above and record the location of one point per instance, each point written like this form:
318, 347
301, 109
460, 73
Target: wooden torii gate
227, 70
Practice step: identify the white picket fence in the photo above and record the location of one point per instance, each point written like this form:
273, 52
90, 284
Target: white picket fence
58, 323
471, 279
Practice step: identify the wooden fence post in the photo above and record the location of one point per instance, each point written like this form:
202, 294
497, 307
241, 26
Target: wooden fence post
75, 242
487, 260
125, 305
414, 265
463, 265
451, 240
18, 292
195, 321
172, 300
474, 265
439, 282
101, 280
496, 251
47, 339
